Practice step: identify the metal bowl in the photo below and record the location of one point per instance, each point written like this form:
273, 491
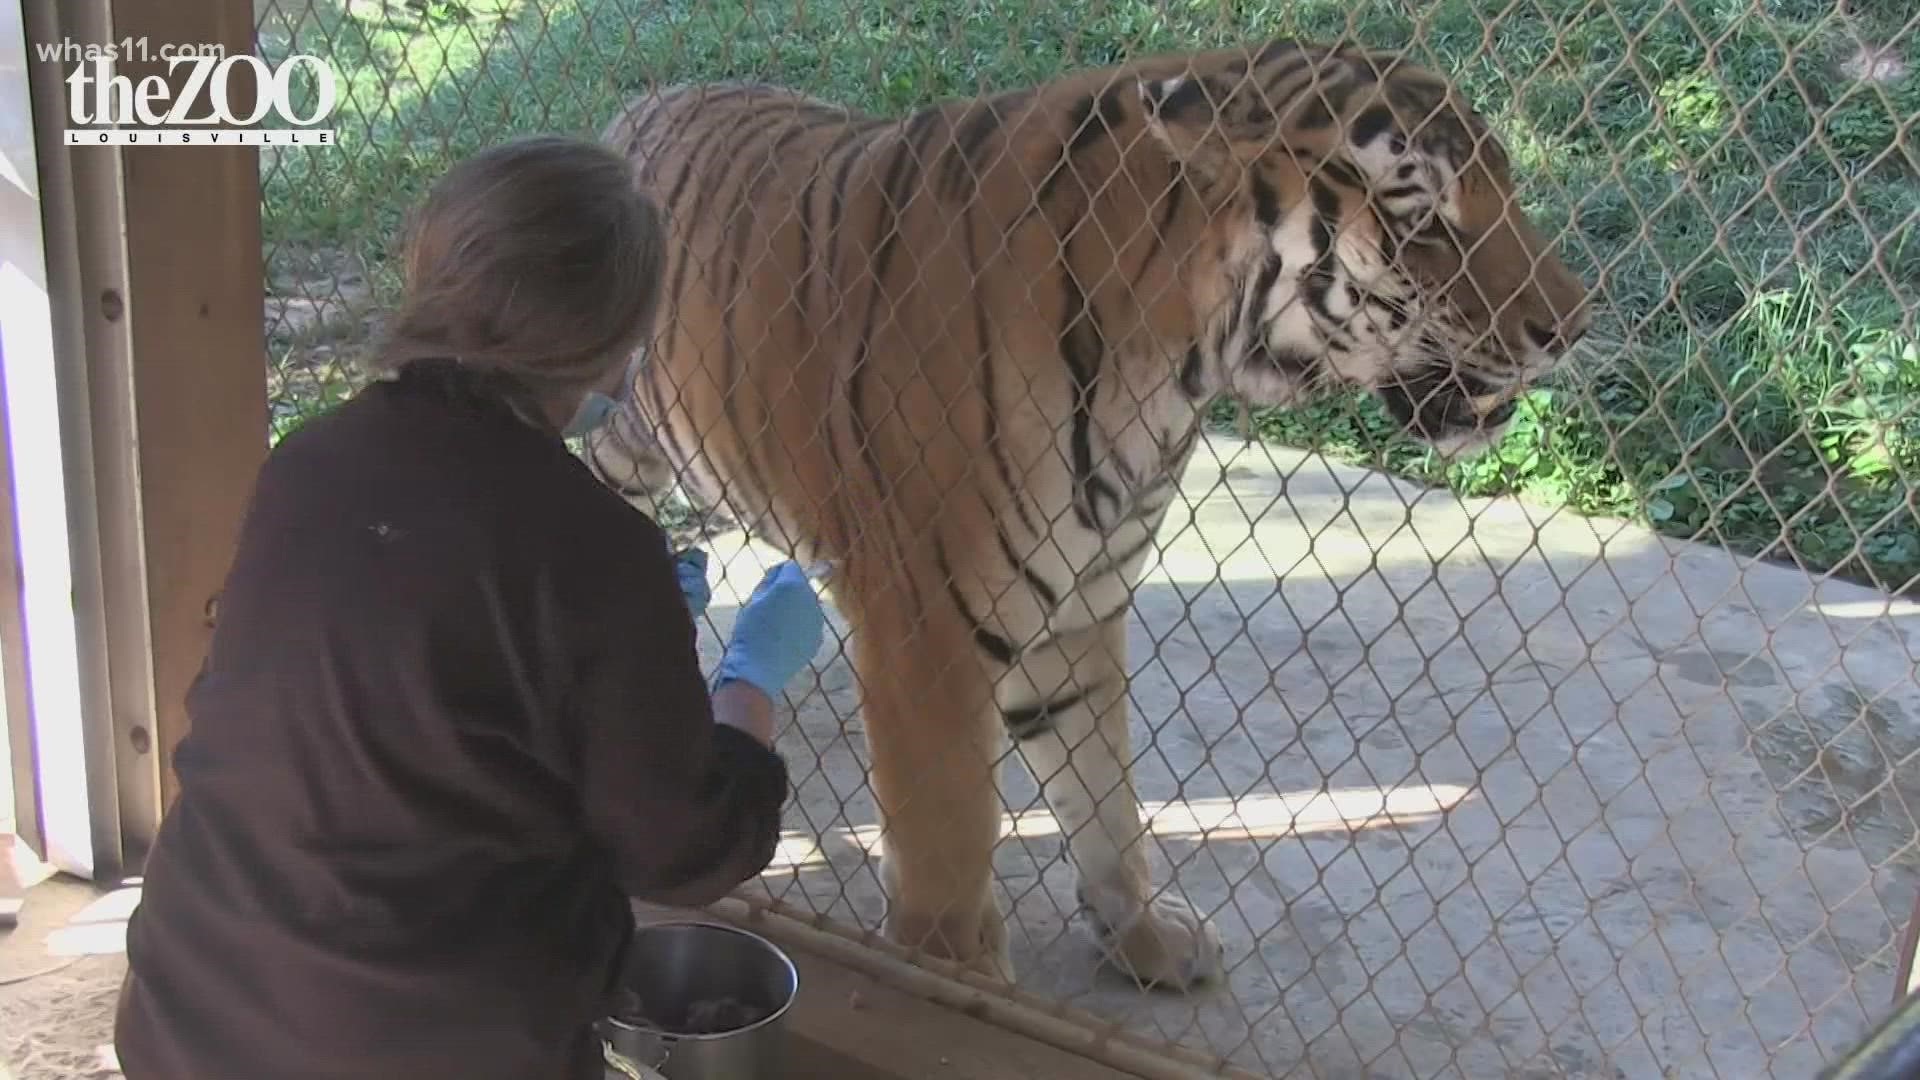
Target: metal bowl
673, 966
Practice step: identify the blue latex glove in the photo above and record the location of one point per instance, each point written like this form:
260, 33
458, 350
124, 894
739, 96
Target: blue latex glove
777, 631
690, 566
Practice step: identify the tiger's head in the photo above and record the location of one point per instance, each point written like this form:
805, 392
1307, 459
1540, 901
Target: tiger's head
1372, 235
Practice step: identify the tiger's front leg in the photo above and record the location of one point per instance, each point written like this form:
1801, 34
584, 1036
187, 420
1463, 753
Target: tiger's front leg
1065, 707
933, 740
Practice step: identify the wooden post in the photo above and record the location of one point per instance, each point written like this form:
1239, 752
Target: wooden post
155, 275
194, 305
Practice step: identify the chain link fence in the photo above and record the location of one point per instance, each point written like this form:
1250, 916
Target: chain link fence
1591, 755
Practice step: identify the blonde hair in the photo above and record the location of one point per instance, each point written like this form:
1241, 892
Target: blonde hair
533, 265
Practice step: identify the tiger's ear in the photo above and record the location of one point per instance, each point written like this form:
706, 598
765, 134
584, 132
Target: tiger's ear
1206, 123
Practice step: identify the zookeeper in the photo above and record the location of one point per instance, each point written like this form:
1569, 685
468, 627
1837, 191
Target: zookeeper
452, 717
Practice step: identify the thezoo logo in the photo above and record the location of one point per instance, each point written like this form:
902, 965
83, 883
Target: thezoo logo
194, 105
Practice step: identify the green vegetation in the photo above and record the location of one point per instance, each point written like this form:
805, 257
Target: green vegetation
1747, 209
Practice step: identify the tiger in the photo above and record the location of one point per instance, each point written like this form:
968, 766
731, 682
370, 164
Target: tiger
963, 354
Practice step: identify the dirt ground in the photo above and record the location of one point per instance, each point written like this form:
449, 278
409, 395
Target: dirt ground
60, 973
1470, 791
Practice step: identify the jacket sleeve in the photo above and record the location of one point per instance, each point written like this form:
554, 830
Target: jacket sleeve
688, 808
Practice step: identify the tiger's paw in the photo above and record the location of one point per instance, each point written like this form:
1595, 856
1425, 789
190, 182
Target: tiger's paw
1166, 946
978, 941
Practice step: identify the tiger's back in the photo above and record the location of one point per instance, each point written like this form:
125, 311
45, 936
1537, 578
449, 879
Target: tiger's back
877, 280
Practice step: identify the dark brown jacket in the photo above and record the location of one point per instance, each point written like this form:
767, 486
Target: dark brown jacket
450, 719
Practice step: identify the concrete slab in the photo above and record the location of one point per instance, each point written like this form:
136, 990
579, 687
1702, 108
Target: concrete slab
1471, 789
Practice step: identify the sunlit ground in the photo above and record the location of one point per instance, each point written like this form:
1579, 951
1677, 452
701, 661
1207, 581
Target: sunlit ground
1251, 817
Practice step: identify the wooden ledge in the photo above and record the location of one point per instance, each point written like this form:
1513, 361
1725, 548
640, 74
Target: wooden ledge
849, 1026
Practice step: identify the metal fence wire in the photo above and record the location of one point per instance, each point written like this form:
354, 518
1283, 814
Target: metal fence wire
1587, 755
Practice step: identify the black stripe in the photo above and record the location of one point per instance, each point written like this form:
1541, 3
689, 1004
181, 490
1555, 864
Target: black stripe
1429, 402
1279, 82
1192, 369
803, 215
1220, 339
1279, 49
989, 642
903, 170
1369, 124
1082, 347
1048, 640
690, 164
1083, 133
961, 164
803, 291
1176, 457
744, 231
956, 165
748, 195
990, 400
1152, 504
654, 374
1326, 211
1157, 244
1314, 115
1396, 316
1189, 97
1035, 582
740, 140
1175, 193
737, 136
1077, 123
1263, 289
1112, 114
663, 106
1314, 288
1266, 201
1415, 94
1338, 90
1342, 173
1031, 721
1115, 563
837, 191
1251, 306
836, 209
1361, 72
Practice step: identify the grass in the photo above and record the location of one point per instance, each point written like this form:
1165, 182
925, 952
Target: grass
1747, 212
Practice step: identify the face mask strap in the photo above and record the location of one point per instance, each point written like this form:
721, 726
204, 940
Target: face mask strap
594, 410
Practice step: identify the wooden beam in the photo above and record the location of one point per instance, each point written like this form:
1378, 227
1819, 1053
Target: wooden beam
194, 305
